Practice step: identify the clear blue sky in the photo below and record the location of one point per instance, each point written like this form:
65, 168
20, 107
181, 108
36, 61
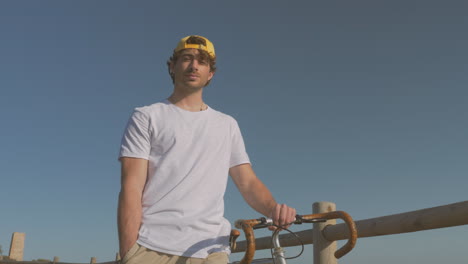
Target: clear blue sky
362, 103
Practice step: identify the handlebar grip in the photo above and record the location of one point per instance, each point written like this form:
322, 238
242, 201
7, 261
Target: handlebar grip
352, 235
233, 237
240, 223
350, 224
246, 226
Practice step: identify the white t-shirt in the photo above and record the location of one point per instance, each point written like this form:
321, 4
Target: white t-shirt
189, 156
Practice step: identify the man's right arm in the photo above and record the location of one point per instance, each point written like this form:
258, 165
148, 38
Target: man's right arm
134, 174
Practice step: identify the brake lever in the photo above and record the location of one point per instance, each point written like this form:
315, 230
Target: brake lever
300, 220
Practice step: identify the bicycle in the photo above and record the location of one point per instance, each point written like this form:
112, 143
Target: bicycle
278, 255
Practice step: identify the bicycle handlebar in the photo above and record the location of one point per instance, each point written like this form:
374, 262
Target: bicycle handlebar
248, 225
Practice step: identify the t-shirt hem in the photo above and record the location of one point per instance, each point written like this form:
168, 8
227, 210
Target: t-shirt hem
234, 164
133, 155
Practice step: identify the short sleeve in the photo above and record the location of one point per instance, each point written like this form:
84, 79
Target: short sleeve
238, 153
136, 139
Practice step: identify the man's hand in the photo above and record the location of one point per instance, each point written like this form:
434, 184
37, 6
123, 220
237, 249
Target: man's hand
259, 197
282, 216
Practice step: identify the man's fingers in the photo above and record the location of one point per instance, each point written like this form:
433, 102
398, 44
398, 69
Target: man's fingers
283, 215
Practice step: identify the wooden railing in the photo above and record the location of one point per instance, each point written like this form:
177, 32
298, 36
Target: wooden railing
450, 215
431, 218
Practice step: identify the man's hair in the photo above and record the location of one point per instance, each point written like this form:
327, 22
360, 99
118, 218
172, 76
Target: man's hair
204, 55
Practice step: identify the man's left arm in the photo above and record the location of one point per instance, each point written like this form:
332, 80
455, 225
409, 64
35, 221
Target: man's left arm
257, 195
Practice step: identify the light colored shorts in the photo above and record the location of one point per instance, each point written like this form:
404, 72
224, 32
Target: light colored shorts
141, 255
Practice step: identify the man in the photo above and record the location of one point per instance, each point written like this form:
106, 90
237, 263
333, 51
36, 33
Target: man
175, 158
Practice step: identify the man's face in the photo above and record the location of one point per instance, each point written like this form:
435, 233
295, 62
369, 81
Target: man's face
190, 70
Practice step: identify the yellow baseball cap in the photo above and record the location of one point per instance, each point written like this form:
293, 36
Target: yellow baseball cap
207, 46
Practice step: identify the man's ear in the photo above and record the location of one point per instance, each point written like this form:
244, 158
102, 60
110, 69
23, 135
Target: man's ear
211, 75
171, 67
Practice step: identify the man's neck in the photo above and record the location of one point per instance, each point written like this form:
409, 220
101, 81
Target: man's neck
191, 102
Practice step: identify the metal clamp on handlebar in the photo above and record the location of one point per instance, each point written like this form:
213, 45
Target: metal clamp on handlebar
264, 222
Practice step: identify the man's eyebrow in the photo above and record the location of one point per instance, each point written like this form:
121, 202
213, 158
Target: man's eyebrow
194, 56
187, 55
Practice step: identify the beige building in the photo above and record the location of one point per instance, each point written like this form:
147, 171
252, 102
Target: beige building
16, 247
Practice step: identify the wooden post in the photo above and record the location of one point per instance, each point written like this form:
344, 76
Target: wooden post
56, 259
93, 260
323, 249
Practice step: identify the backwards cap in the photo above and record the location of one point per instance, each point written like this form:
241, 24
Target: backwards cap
207, 46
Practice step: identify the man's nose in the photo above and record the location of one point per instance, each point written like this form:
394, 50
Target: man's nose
194, 65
